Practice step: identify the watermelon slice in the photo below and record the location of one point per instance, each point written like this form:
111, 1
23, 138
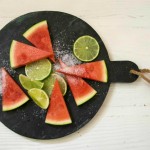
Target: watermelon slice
93, 70
12, 95
57, 112
81, 90
22, 54
39, 36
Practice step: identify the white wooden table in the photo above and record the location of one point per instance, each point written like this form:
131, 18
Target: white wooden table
123, 122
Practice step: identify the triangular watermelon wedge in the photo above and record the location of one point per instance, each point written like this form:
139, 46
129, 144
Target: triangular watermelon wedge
94, 70
22, 54
39, 36
81, 90
12, 94
57, 112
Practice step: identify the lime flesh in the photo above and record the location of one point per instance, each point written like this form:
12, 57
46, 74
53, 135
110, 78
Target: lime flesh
28, 83
38, 70
39, 97
49, 84
86, 48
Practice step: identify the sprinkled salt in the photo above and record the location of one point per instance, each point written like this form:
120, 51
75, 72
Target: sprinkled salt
56, 66
59, 46
70, 60
65, 52
39, 113
7, 66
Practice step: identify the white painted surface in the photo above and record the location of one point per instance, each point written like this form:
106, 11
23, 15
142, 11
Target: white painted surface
123, 122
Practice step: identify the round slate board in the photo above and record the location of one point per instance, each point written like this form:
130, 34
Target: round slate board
29, 120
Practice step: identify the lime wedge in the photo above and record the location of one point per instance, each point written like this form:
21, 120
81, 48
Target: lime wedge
86, 48
38, 70
28, 83
39, 97
49, 84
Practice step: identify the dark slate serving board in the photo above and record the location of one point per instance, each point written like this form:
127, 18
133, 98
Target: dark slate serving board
29, 119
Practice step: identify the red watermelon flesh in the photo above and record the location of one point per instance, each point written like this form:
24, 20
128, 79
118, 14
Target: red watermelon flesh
93, 70
39, 36
57, 112
81, 90
12, 94
22, 54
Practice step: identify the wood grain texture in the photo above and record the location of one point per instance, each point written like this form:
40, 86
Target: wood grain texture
123, 122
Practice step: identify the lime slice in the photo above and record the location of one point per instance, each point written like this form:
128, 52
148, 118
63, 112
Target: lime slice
39, 97
28, 83
86, 48
49, 84
38, 70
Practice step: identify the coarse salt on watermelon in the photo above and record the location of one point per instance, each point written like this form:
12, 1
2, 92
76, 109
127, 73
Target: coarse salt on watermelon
22, 54
94, 70
12, 94
57, 112
81, 90
39, 36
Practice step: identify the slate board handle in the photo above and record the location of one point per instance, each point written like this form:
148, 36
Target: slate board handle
119, 71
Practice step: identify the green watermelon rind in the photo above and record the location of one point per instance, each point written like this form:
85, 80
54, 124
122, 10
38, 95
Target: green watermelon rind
14, 106
82, 100
33, 28
105, 78
12, 63
55, 122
